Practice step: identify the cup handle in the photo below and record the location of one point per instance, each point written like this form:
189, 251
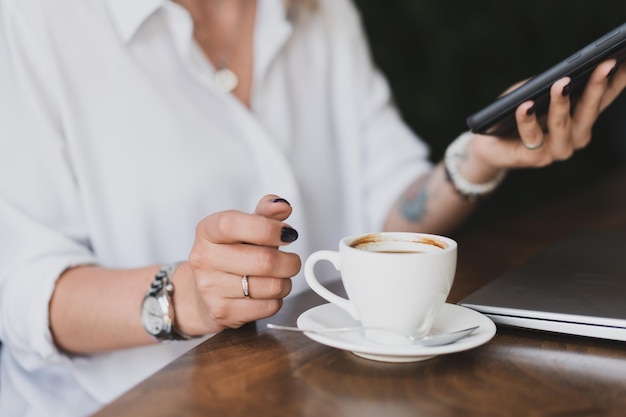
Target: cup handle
334, 258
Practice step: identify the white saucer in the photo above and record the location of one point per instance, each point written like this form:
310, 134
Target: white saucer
452, 317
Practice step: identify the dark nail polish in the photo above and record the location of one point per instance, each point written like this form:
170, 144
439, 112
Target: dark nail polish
280, 200
567, 89
612, 72
288, 234
531, 110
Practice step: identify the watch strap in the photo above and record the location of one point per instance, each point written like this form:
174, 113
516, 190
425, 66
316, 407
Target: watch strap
162, 286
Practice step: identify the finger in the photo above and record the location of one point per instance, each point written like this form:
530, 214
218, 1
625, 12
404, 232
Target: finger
559, 121
251, 260
589, 106
260, 288
616, 84
234, 313
530, 131
252, 309
233, 226
274, 207
226, 285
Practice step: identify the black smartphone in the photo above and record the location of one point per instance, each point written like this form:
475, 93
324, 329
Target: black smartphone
498, 118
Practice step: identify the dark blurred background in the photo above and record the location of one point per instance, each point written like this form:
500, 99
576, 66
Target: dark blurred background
446, 59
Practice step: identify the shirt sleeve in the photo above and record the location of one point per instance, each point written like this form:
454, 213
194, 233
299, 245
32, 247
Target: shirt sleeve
389, 155
42, 230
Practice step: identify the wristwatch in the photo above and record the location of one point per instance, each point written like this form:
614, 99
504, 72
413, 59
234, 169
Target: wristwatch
157, 308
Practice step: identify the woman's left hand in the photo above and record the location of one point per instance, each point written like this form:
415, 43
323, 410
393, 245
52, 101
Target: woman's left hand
567, 130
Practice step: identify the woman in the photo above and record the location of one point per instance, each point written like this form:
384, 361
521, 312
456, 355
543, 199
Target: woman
159, 145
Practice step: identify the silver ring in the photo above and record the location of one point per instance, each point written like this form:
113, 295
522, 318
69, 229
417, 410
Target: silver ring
533, 147
244, 285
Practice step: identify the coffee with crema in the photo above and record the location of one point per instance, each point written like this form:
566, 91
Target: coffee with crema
398, 243
382, 242
396, 251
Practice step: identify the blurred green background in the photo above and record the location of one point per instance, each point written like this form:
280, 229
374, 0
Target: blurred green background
446, 59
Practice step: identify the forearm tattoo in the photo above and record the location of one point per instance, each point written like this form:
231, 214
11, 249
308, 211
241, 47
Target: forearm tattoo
413, 203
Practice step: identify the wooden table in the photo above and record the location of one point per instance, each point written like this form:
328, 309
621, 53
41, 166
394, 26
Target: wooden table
254, 371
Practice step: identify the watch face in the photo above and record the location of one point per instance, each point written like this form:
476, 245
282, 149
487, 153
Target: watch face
152, 316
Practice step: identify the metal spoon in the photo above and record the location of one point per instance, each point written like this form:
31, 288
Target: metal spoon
430, 340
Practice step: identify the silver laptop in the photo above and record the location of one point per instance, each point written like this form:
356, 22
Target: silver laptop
577, 286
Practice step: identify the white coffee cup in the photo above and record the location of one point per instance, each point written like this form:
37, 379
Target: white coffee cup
393, 280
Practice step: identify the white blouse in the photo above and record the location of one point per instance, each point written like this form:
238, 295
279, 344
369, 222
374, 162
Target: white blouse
115, 143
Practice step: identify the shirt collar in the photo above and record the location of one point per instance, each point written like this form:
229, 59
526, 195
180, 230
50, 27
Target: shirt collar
128, 16
272, 30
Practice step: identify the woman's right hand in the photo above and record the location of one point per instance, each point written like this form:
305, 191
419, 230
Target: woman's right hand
209, 294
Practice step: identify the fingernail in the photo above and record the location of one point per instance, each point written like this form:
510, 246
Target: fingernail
280, 200
288, 234
610, 74
567, 89
530, 110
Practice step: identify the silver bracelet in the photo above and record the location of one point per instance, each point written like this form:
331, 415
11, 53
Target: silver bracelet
455, 152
